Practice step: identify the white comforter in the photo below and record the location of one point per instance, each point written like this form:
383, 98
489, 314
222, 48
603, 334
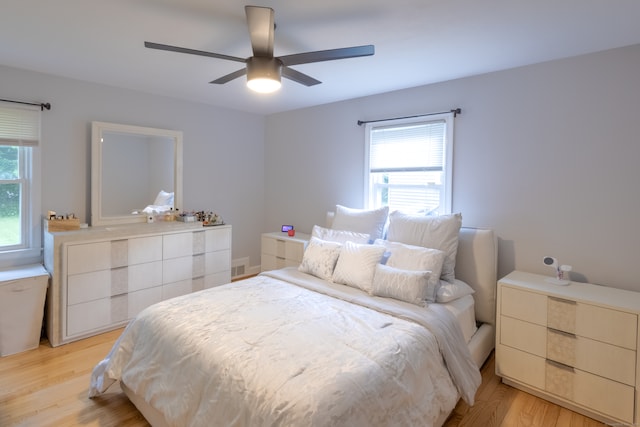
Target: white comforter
264, 352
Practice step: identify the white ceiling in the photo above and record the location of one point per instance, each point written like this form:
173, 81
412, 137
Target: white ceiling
417, 42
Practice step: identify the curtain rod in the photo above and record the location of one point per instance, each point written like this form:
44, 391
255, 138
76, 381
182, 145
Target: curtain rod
42, 105
455, 113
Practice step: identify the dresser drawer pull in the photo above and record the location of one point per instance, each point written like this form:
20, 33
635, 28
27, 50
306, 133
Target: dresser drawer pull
559, 332
560, 365
562, 300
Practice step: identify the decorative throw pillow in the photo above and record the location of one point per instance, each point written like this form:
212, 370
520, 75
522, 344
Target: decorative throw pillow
357, 265
370, 222
319, 258
404, 285
438, 232
339, 236
416, 258
448, 292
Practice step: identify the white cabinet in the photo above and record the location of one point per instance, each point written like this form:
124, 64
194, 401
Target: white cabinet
280, 250
575, 345
103, 278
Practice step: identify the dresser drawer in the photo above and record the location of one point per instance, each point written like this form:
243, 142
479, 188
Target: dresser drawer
88, 286
270, 246
607, 325
523, 305
589, 355
84, 258
520, 366
524, 336
595, 393
590, 321
293, 252
596, 357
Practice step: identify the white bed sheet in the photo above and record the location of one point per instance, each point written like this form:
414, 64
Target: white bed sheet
464, 311
246, 374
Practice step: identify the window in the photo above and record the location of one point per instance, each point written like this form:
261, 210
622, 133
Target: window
408, 164
19, 185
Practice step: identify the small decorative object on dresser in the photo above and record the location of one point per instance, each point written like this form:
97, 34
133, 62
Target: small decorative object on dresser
280, 250
574, 345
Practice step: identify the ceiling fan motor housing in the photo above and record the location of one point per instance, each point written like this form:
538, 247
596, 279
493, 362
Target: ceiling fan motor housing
263, 67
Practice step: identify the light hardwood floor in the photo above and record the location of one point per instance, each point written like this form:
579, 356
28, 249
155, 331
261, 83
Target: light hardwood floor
48, 387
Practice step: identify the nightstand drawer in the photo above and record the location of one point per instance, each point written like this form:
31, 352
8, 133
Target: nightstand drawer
523, 305
524, 336
520, 366
607, 325
270, 246
592, 356
591, 391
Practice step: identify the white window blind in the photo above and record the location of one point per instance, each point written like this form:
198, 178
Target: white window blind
409, 148
19, 125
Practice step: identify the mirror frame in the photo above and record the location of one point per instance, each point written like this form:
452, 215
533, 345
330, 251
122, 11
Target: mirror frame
97, 129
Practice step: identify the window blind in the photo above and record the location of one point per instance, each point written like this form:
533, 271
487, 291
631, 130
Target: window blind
408, 148
19, 125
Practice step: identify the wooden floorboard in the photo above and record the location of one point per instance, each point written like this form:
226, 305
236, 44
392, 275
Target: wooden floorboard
49, 387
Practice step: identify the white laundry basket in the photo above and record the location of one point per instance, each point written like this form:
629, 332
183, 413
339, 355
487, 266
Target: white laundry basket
22, 294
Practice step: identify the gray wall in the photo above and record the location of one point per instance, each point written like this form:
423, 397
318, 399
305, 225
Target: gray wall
223, 150
546, 155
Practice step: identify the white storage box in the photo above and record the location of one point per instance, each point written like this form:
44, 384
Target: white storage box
22, 294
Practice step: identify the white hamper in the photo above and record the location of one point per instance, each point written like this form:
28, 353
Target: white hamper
22, 294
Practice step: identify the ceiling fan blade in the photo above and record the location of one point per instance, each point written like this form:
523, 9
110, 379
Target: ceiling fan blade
261, 29
229, 77
327, 55
178, 49
299, 77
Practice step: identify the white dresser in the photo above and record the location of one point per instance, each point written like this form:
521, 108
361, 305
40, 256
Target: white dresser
575, 345
280, 250
102, 277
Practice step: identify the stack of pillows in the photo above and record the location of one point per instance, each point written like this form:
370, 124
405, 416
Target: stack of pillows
415, 263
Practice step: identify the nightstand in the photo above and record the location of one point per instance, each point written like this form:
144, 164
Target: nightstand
280, 250
574, 345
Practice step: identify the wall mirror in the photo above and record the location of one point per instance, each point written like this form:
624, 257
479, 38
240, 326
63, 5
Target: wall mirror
130, 166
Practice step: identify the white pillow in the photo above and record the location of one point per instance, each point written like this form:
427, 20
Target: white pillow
163, 199
319, 258
340, 236
357, 265
370, 222
404, 285
416, 258
438, 232
448, 292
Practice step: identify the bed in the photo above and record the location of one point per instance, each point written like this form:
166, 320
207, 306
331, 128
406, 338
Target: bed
290, 348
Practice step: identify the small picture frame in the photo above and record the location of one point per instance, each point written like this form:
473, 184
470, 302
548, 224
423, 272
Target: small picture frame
286, 228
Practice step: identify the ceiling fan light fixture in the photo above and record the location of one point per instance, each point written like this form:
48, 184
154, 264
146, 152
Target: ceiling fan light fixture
264, 74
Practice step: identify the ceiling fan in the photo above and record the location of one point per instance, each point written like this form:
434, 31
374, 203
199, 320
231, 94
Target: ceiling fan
263, 70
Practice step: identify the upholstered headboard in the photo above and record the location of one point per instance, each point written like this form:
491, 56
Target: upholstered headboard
477, 265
